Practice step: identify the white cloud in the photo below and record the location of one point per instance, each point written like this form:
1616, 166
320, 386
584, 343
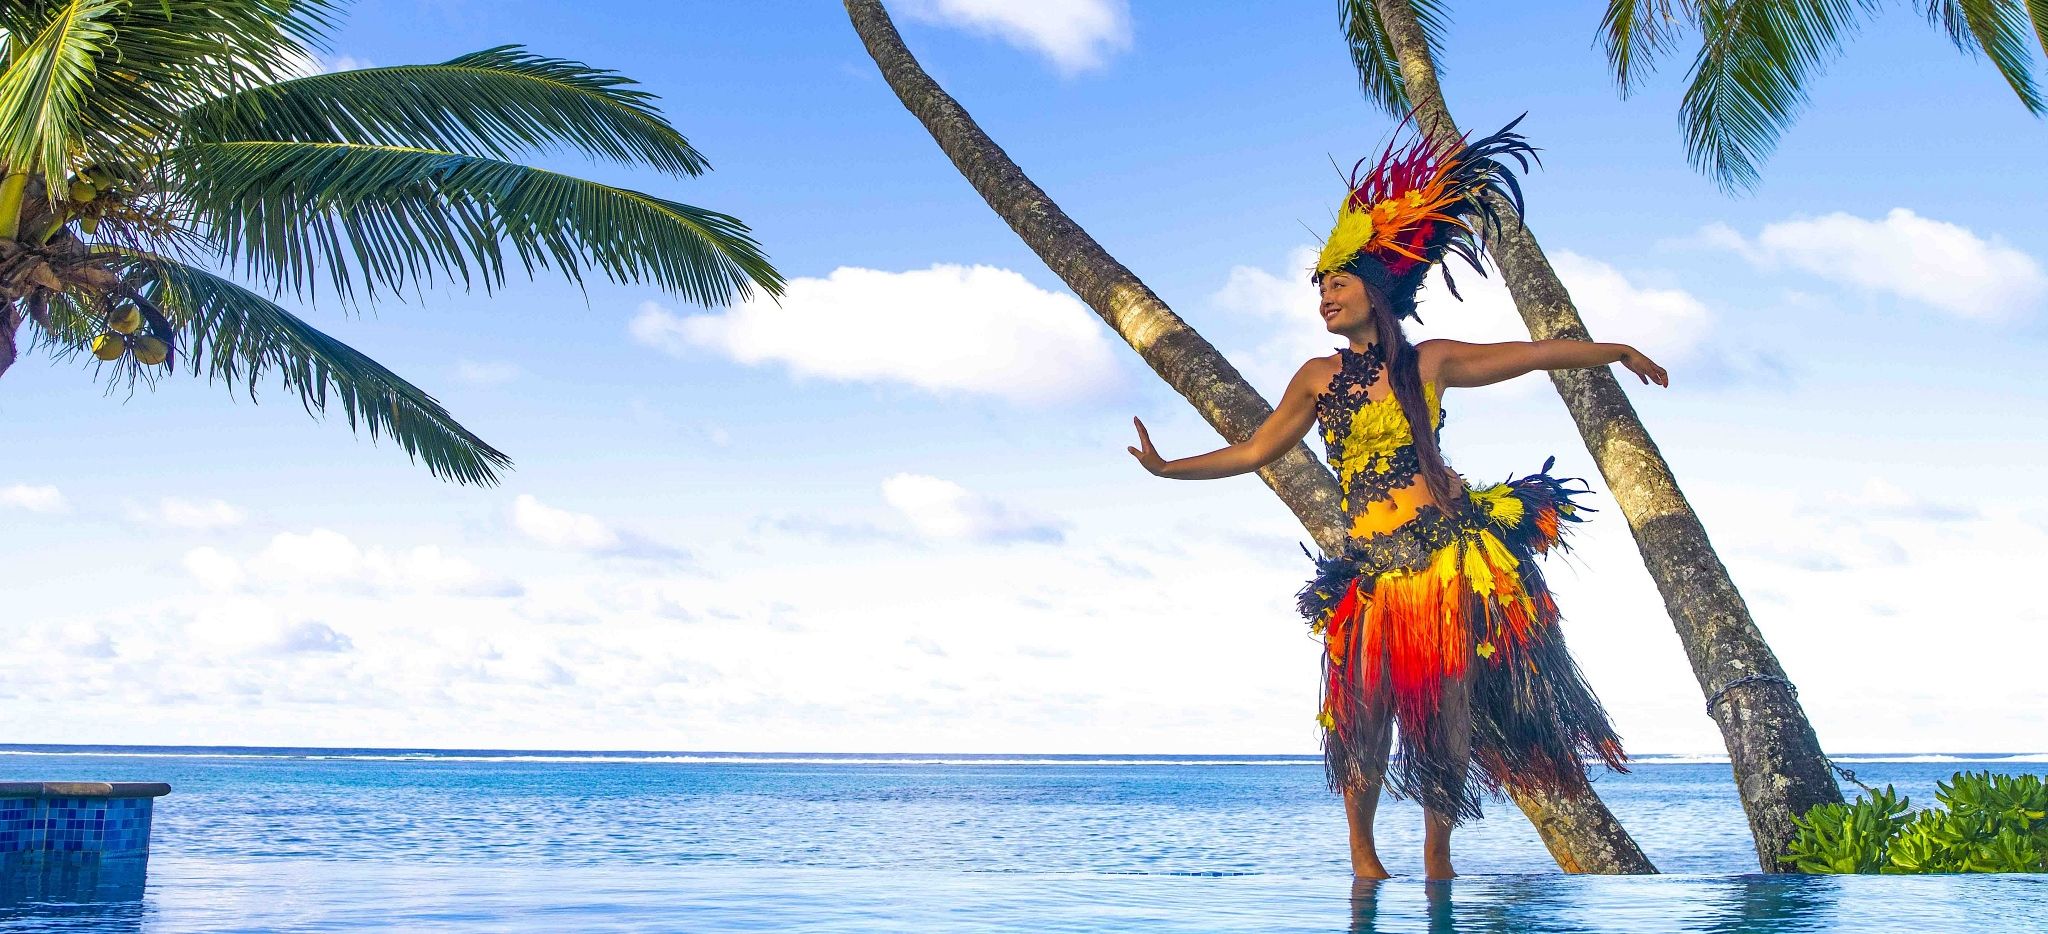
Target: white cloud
576, 531
1669, 324
560, 528
946, 511
325, 558
487, 373
190, 514
1935, 263
1288, 294
949, 328
309, 64
45, 499
213, 569
1881, 499
310, 636
1076, 35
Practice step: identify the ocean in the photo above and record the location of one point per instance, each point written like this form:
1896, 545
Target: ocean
431, 840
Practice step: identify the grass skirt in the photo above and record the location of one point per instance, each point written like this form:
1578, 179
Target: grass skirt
1453, 608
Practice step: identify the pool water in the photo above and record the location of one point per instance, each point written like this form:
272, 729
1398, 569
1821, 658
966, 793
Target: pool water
323, 840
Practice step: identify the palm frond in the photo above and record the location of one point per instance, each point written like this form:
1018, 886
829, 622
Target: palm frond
1637, 32
390, 217
1379, 71
499, 102
2001, 31
46, 85
68, 322
1750, 77
232, 335
160, 57
2037, 11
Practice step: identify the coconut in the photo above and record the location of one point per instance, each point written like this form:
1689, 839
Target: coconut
151, 351
125, 321
83, 191
109, 347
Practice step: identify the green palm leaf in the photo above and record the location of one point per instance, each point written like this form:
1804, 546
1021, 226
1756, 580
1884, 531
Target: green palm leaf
199, 137
228, 333
110, 78
498, 102
2000, 30
1636, 32
1756, 57
389, 217
1750, 77
2037, 11
1379, 72
46, 82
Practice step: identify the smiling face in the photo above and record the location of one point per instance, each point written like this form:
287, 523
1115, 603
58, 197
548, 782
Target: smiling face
1346, 304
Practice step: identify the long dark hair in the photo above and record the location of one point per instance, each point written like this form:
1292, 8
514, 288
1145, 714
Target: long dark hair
1404, 377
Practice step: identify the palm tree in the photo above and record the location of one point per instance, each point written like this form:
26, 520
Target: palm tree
1578, 829
147, 144
1750, 72
1778, 765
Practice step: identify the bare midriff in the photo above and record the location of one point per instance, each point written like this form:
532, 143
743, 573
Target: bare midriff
1377, 518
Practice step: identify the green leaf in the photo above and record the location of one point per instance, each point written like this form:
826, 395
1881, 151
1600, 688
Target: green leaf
230, 334
1999, 30
1372, 53
1750, 77
110, 78
499, 102
1636, 32
1847, 838
45, 84
388, 217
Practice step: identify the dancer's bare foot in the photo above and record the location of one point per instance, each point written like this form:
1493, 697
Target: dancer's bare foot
1359, 805
1436, 848
1367, 866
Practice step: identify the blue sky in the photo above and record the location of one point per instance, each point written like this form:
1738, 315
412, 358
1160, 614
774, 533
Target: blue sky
894, 513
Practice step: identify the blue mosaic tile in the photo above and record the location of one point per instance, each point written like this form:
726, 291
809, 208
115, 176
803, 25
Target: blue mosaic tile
75, 828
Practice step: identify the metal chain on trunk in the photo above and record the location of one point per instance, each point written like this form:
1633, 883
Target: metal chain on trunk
1848, 775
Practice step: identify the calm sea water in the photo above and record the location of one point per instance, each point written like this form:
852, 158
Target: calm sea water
326, 840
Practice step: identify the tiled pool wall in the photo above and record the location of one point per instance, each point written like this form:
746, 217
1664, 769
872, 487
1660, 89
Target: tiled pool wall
75, 838
53, 828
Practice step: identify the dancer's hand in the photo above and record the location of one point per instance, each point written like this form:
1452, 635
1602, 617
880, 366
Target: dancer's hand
1644, 368
1147, 457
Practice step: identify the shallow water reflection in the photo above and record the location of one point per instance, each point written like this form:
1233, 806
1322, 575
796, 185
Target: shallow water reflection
100, 896
1740, 904
269, 895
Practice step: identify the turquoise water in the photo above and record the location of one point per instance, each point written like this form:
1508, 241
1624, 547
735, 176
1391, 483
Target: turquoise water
321, 840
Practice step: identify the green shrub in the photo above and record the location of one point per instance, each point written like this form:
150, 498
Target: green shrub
1993, 823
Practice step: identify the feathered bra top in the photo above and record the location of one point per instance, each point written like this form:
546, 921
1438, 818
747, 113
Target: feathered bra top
1422, 199
1367, 441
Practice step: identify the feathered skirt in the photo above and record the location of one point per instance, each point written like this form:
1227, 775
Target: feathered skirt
1445, 626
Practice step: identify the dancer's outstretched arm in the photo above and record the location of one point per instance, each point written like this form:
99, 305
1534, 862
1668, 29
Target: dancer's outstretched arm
1274, 437
1456, 363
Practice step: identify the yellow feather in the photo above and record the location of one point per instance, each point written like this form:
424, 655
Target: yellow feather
1478, 575
1497, 554
1353, 231
1500, 504
1446, 565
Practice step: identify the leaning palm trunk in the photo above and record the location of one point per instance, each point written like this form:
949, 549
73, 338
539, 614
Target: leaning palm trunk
1579, 830
1776, 758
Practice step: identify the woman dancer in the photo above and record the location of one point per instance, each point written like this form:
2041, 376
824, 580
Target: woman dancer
1435, 615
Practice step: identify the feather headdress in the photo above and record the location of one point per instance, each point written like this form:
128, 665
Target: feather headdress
1421, 200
